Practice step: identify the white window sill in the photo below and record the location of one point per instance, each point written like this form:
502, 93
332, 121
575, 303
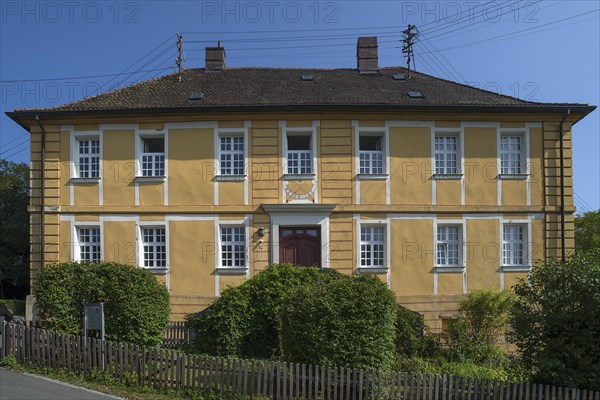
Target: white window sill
151, 178
230, 178
515, 268
367, 177
156, 270
373, 270
85, 180
513, 177
449, 268
299, 177
232, 270
448, 177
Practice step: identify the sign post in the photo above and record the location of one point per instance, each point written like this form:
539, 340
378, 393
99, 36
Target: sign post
93, 319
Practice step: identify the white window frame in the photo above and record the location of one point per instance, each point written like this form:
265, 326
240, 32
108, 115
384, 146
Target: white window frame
141, 243
525, 227
76, 138
445, 169
460, 243
78, 244
382, 153
385, 243
312, 152
244, 224
509, 171
231, 153
233, 243
372, 131
140, 136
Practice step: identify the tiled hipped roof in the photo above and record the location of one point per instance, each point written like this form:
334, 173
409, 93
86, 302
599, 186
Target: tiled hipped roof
368, 87
284, 87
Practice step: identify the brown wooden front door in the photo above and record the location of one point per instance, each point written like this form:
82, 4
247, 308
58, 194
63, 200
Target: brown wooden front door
300, 245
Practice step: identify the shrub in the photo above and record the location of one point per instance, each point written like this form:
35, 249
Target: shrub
136, 305
482, 321
556, 322
243, 321
348, 322
412, 336
486, 313
465, 369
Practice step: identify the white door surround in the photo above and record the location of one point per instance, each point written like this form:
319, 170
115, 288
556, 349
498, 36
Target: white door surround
299, 215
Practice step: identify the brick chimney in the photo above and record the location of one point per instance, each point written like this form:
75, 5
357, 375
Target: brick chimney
215, 58
366, 55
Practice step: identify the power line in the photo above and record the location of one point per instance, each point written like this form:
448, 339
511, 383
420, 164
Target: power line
444, 59
162, 63
460, 21
73, 77
17, 153
499, 37
582, 200
140, 59
15, 146
15, 139
130, 74
502, 19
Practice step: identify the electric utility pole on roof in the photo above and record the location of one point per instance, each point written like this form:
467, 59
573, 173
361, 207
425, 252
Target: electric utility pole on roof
179, 60
410, 36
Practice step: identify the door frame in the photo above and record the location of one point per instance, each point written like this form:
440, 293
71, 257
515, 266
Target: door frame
299, 215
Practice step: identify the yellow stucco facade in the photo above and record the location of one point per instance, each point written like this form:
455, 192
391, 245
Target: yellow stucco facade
408, 199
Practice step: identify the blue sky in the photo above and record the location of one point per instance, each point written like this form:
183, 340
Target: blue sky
536, 50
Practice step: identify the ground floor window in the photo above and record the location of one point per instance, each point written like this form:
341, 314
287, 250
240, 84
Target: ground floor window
89, 244
372, 246
514, 245
155, 247
233, 246
448, 246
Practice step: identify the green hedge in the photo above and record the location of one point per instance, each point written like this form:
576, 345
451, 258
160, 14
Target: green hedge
348, 322
243, 321
136, 306
412, 336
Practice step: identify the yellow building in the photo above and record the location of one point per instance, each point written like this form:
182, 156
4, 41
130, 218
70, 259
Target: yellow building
436, 187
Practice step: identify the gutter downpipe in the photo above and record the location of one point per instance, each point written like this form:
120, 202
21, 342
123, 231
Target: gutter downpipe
42, 193
562, 186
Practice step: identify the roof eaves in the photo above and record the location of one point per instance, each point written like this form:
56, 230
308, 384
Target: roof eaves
584, 109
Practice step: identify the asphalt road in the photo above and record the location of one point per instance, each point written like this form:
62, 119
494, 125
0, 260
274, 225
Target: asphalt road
18, 386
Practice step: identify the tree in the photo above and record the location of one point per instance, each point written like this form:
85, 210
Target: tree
587, 231
556, 321
14, 229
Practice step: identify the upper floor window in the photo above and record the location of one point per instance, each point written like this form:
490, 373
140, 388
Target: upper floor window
88, 244
299, 154
448, 251
232, 155
446, 155
154, 245
88, 158
514, 245
153, 156
233, 246
372, 246
511, 155
371, 155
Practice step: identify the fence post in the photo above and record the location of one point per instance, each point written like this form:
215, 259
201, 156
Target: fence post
3, 334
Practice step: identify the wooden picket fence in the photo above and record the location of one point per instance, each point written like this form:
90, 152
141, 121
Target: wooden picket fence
176, 335
168, 369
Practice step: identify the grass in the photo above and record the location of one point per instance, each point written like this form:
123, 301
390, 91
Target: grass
96, 380
16, 306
